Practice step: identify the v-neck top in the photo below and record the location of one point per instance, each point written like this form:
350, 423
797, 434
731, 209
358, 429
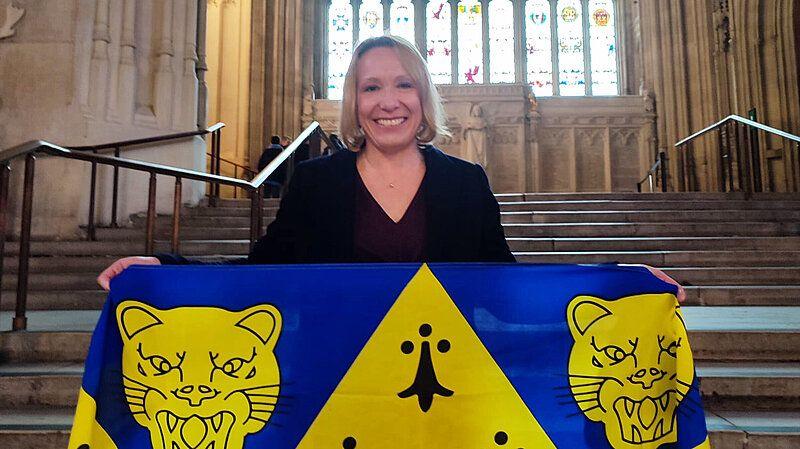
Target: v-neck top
377, 238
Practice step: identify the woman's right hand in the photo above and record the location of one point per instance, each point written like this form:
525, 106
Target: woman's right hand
117, 267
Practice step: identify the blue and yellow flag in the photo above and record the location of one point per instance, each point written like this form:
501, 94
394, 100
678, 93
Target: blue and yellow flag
391, 356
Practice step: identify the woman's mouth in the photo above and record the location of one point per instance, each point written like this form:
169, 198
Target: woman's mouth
390, 122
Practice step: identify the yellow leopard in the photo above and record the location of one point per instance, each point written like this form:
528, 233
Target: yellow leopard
630, 366
199, 377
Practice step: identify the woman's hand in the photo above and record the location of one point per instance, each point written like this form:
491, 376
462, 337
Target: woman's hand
117, 267
663, 276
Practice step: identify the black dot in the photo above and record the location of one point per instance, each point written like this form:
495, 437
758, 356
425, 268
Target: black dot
443, 346
501, 438
349, 443
407, 347
425, 330
84, 446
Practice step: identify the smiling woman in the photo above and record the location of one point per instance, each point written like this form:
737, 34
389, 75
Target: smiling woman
394, 197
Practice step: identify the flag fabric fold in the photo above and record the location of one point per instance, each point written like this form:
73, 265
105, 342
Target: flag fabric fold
390, 356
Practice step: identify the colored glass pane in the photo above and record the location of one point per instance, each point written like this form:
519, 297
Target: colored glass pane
402, 15
603, 47
370, 19
538, 43
470, 42
501, 41
439, 44
571, 76
340, 45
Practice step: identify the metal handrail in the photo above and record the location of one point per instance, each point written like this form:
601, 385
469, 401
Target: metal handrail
660, 164
743, 120
148, 140
739, 161
30, 150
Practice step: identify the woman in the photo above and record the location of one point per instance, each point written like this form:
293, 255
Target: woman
395, 198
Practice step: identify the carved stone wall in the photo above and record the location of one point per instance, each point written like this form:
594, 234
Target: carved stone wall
80, 72
555, 144
591, 144
706, 60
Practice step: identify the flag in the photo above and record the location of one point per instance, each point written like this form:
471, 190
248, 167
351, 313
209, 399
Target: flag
389, 356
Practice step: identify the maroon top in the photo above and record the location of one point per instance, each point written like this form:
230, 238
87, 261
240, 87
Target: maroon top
377, 238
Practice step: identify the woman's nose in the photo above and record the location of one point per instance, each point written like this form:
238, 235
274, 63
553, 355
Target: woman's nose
389, 100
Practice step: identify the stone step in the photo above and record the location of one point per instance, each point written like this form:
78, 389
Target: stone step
667, 258
668, 196
719, 334
743, 295
126, 248
686, 243
48, 428
57, 299
750, 386
641, 205
40, 385
639, 216
750, 229
725, 386
749, 429
709, 276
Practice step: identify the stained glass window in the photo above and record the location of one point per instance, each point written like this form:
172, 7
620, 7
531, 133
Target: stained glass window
576, 39
470, 42
501, 41
340, 45
370, 19
538, 47
571, 75
402, 16
439, 43
603, 47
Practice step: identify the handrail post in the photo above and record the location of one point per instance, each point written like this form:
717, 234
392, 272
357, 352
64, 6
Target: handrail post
5, 174
20, 322
151, 215
729, 154
721, 159
212, 164
91, 233
255, 200
682, 167
744, 160
260, 211
755, 157
217, 169
662, 158
115, 192
176, 217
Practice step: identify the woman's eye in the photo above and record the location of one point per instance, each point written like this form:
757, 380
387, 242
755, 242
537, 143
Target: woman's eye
160, 364
232, 365
406, 85
370, 88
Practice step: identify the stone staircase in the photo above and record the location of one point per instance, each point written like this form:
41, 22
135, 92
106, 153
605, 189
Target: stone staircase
739, 260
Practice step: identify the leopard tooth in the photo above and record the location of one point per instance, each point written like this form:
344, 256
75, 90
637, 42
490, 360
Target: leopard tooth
658, 432
629, 405
172, 421
216, 422
664, 401
637, 435
211, 445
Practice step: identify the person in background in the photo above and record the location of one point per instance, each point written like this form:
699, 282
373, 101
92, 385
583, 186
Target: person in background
278, 177
394, 196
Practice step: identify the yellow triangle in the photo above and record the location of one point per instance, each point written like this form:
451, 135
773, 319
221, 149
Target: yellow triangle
483, 411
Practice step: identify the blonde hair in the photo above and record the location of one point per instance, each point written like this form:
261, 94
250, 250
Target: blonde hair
433, 117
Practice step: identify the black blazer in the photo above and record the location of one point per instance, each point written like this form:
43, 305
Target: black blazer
315, 222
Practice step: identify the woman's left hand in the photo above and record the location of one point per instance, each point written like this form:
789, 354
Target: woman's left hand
663, 276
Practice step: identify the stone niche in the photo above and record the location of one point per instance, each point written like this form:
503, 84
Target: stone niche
551, 144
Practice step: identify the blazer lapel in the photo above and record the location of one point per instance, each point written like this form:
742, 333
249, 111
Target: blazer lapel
441, 193
341, 199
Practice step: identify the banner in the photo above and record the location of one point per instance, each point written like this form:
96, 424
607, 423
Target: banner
389, 356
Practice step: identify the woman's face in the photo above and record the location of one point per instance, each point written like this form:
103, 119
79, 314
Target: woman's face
387, 101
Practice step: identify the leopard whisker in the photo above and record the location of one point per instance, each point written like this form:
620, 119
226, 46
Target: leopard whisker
584, 411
